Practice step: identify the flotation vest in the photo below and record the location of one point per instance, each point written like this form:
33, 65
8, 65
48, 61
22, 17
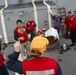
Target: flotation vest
31, 25
24, 34
73, 23
39, 66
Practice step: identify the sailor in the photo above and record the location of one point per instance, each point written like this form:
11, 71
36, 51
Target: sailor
21, 34
67, 23
73, 29
31, 27
38, 64
57, 22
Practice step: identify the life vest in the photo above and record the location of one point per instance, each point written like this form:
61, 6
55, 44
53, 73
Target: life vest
73, 23
1, 60
24, 34
31, 25
39, 66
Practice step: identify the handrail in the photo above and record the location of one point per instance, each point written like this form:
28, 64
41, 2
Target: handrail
35, 14
3, 23
49, 11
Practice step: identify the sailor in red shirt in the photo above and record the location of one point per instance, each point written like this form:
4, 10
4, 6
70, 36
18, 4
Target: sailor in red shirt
21, 34
73, 29
31, 27
67, 23
38, 64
